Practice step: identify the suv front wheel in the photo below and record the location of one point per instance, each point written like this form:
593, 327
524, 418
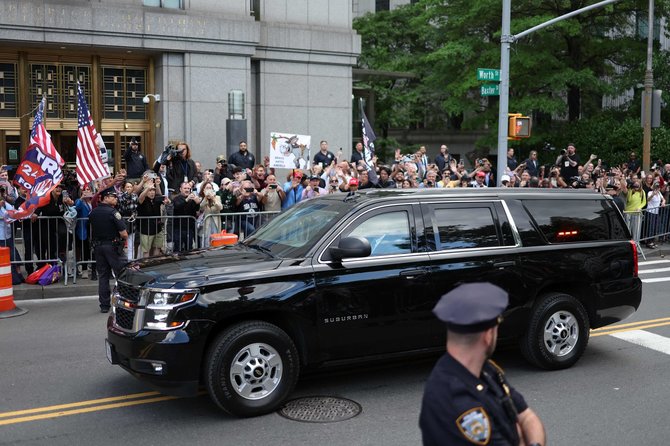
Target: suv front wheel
557, 333
251, 368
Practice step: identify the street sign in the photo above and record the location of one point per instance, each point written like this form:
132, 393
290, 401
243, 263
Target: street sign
488, 74
490, 90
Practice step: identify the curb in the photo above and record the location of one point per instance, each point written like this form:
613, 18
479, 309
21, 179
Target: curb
56, 290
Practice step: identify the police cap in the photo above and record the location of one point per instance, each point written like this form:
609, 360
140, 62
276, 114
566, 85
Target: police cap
108, 191
472, 307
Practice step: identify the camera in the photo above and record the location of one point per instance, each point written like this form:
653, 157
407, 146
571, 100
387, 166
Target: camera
248, 189
272, 186
564, 152
548, 147
3, 190
480, 163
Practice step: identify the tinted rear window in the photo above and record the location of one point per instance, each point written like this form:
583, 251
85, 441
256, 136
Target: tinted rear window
564, 221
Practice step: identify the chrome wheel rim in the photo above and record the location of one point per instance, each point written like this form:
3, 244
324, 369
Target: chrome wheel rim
561, 333
256, 371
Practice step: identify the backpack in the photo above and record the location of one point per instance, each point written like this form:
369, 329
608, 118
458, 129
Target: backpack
34, 277
52, 275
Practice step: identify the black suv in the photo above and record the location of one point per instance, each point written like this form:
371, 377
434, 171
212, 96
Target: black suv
343, 279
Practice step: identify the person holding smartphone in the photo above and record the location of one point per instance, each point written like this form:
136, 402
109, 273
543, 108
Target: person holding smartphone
273, 195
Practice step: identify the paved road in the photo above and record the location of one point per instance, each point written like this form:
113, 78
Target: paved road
58, 389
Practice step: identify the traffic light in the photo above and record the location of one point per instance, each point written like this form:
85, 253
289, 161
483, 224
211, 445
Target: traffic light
519, 126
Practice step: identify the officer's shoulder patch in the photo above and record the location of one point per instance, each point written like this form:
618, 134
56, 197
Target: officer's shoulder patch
475, 425
117, 216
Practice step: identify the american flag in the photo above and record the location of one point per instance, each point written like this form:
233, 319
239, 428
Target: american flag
89, 164
40, 136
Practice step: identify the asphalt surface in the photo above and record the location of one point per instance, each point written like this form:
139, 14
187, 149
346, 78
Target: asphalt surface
54, 377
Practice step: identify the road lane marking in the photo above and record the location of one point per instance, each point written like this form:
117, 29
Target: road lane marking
631, 324
646, 339
78, 404
85, 410
639, 327
656, 280
652, 262
116, 402
652, 271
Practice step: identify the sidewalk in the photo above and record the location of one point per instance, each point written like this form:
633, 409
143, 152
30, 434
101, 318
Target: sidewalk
86, 287
83, 287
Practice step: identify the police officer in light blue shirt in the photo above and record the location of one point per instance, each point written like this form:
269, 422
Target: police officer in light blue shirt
467, 399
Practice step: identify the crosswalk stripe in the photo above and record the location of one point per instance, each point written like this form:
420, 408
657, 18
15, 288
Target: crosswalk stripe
656, 280
645, 339
652, 271
652, 262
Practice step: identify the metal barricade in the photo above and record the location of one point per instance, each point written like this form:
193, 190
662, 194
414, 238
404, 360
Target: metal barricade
43, 240
49, 240
655, 225
241, 223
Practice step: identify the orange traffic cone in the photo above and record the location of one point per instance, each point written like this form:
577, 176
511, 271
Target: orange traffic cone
7, 307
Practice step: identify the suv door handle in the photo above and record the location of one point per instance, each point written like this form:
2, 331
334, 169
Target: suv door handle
410, 274
504, 264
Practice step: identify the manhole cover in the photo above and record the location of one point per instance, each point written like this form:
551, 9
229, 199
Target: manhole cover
320, 409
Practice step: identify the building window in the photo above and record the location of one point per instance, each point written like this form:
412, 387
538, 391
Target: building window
8, 102
124, 89
59, 84
171, 4
382, 5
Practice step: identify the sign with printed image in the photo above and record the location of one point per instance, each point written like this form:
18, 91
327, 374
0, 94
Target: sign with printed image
289, 150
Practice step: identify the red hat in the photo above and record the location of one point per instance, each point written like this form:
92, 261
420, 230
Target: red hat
481, 174
297, 174
353, 182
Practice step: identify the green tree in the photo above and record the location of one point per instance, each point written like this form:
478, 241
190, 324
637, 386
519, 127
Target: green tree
562, 71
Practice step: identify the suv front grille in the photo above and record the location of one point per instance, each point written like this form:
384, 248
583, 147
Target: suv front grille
128, 292
124, 318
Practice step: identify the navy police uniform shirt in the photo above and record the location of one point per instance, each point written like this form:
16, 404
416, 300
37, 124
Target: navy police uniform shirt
106, 223
461, 409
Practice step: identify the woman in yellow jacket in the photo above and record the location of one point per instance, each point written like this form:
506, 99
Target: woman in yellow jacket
636, 198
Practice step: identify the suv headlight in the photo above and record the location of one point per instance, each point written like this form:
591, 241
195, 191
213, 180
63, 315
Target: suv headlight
170, 299
160, 308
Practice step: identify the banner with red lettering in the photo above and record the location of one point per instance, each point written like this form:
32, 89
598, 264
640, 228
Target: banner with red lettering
37, 174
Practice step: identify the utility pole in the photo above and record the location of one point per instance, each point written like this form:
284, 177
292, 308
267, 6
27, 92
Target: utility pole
648, 85
506, 41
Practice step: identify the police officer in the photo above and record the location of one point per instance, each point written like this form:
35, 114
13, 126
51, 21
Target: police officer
108, 234
467, 399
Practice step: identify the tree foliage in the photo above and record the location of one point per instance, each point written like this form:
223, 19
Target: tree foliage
559, 75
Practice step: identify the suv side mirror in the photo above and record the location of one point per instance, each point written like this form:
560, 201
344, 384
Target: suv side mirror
350, 247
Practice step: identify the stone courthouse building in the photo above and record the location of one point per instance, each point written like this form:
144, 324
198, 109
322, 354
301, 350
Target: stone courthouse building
162, 70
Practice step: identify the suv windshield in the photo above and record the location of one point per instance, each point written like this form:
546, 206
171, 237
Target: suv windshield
292, 233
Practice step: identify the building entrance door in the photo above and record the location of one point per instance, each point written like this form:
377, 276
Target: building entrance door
66, 144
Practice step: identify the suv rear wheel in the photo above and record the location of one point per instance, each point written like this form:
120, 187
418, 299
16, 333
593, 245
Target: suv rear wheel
251, 368
557, 333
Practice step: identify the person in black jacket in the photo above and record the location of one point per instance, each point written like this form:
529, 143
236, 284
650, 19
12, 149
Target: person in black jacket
136, 163
179, 168
186, 205
243, 158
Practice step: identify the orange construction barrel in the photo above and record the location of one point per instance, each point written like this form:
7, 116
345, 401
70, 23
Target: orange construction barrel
7, 306
222, 238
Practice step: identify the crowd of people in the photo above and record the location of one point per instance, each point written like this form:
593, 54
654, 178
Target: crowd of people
176, 185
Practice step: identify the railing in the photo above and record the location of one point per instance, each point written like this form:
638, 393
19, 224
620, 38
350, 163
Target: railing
649, 225
67, 241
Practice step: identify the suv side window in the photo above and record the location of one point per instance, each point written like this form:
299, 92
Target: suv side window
564, 221
461, 226
388, 233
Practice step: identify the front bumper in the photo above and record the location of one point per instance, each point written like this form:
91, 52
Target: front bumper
167, 360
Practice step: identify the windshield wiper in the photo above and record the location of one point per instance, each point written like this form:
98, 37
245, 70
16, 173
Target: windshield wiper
264, 249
